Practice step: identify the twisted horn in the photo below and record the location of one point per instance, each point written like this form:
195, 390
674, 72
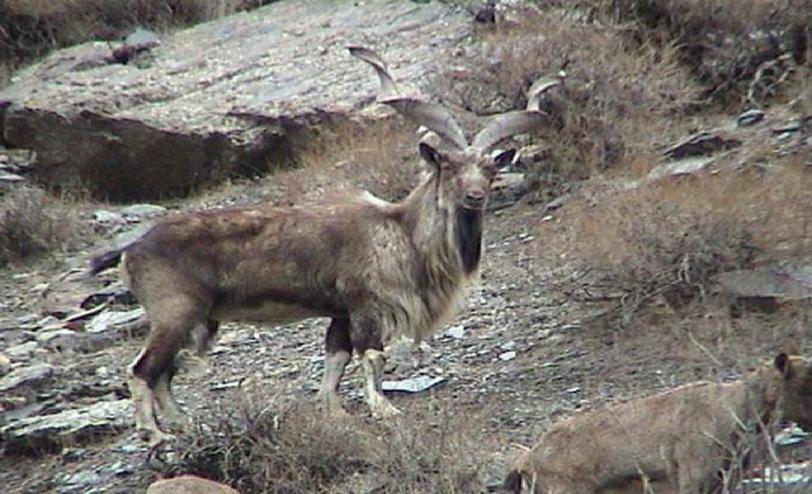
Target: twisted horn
516, 122
538, 89
506, 125
388, 87
431, 115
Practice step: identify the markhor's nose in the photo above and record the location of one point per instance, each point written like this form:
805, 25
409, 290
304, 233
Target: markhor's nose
475, 195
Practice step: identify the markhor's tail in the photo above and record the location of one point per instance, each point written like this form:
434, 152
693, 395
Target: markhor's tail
104, 261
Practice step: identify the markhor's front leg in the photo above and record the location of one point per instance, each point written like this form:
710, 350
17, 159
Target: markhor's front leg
366, 337
338, 352
373, 362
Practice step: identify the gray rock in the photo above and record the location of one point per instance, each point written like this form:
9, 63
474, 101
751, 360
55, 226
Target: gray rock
506, 356
104, 216
129, 236
49, 432
412, 385
457, 332
750, 117
141, 210
508, 188
82, 481
790, 127
231, 96
10, 180
557, 202
5, 365
143, 38
115, 292
685, 166
110, 319
22, 351
27, 319
702, 144
25, 376
46, 336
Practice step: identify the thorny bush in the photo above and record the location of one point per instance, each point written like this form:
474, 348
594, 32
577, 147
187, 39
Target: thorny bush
33, 223
293, 448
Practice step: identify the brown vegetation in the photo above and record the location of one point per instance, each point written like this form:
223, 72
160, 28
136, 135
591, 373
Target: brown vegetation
33, 223
291, 449
724, 51
618, 99
665, 242
379, 158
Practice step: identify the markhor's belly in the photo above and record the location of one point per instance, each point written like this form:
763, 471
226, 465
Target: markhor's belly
270, 311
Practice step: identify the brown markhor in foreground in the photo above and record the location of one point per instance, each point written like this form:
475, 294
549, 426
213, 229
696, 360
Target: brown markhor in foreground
379, 270
678, 441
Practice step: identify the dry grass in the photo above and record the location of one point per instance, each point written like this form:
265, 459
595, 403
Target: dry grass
34, 223
31, 28
723, 50
664, 243
380, 157
619, 98
293, 449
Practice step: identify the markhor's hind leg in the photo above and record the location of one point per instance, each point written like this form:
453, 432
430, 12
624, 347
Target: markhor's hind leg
171, 413
157, 360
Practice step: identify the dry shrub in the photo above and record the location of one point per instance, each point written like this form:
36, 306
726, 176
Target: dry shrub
299, 449
665, 242
380, 157
619, 98
33, 223
31, 28
724, 42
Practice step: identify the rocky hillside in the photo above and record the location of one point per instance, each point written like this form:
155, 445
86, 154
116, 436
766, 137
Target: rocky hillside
659, 231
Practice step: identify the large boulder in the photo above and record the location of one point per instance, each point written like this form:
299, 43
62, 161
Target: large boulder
238, 95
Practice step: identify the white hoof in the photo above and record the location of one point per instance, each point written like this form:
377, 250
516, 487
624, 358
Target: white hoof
382, 409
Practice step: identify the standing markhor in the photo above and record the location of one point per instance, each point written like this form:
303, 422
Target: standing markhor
377, 269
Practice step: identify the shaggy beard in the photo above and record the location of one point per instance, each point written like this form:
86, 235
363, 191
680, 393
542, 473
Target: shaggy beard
469, 237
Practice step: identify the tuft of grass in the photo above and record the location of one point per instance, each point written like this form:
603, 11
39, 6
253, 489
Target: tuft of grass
33, 223
293, 448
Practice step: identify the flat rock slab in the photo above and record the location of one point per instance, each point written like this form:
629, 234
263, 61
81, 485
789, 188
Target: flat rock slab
51, 432
26, 376
236, 95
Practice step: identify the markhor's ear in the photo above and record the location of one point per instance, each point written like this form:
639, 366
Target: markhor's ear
504, 158
431, 155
